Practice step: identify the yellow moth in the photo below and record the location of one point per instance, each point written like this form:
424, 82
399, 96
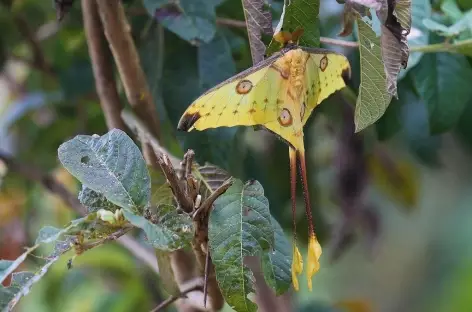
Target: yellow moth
278, 94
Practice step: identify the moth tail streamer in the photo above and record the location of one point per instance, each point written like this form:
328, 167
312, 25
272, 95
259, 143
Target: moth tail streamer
314, 247
297, 261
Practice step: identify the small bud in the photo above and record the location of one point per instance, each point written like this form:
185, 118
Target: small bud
106, 215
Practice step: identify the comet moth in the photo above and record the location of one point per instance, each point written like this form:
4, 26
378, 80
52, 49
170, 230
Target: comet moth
278, 94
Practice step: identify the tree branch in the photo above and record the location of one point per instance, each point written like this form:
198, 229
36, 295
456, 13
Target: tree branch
102, 66
117, 32
171, 299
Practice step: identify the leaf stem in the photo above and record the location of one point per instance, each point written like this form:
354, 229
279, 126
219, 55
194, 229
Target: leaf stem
442, 47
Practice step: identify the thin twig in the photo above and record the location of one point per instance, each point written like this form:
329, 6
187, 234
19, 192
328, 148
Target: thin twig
180, 195
171, 299
102, 66
111, 237
117, 32
208, 203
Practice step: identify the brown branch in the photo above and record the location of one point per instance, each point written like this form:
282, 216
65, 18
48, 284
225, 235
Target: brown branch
47, 181
208, 203
180, 195
102, 66
171, 299
117, 32
111, 237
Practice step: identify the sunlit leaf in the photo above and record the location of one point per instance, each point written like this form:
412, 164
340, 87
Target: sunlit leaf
112, 165
239, 226
171, 231
258, 21
373, 97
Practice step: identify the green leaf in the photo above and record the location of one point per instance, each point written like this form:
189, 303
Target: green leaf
442, 30
95, 201
189, 19
21, 285
276, 264
300, 13
172, 231
7, 267
48, 234
112, 165
402, 12
239, 226
451, 10
373, 98
443, 82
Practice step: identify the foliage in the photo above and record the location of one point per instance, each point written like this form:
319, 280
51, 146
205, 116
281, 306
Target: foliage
185, 48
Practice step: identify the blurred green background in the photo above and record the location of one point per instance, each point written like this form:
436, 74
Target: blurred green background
392, 205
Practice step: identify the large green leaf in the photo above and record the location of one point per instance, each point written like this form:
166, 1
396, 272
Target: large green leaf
300, 14
373, 98
190, 19
95, 201
276, 264
443, 82
170, 232
239, 226
112, 165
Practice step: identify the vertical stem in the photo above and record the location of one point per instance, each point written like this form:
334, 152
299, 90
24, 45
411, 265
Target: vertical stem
102, 66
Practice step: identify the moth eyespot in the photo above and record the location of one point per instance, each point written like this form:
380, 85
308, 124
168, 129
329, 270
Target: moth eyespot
285, 118
244, 86
324, 63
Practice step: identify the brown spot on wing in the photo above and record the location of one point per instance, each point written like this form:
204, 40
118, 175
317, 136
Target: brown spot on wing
187, 121
323, 63
244, 86
285, 118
